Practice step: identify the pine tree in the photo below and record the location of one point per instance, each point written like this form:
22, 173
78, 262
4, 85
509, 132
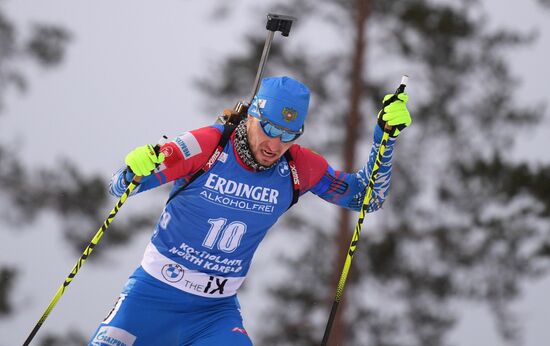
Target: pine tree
464, 221
79, 200
45, 46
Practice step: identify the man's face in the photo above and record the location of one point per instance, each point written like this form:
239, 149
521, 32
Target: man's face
266, 150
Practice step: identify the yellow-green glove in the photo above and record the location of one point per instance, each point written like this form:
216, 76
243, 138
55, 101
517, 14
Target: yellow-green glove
143, 160
394, 114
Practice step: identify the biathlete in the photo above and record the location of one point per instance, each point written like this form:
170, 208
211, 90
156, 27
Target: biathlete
231, 184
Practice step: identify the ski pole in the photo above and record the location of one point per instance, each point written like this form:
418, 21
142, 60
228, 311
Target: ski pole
359, 224
95, 240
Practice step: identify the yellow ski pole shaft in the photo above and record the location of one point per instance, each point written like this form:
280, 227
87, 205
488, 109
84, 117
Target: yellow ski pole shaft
82, 259
359, 224
95, 240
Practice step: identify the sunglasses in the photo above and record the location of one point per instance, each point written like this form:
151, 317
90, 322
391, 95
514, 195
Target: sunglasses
273, 130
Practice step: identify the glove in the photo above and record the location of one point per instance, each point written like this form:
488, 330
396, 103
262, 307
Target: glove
143, 160
394, 114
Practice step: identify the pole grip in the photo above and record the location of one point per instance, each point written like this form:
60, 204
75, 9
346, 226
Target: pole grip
137, 179
403, 84
399, 90
162, 141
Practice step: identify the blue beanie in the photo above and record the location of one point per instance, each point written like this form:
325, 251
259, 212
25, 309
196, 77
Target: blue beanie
283, 101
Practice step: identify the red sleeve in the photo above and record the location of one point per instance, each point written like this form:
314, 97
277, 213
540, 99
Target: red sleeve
189, 152
310, 166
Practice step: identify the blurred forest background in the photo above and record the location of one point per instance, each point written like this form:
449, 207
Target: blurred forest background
459, 244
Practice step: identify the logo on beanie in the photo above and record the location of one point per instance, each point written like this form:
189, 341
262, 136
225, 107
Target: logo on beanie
289, 114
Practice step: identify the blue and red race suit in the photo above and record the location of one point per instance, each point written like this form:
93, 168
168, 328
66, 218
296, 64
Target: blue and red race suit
207, 234
212, 228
